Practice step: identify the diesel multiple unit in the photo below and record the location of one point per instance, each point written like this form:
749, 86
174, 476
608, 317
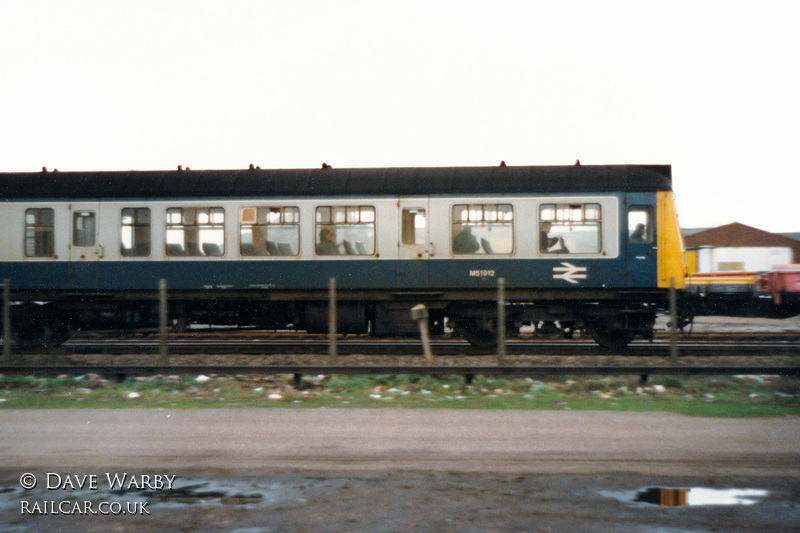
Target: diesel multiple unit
586, 247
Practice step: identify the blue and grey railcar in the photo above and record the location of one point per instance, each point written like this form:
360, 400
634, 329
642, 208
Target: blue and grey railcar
588, 247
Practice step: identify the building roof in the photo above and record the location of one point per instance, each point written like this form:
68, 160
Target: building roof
691, 231
736, 235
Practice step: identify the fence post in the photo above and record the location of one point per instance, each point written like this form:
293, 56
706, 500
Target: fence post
332, 349
7, 320
501, 321
673, 323
163, 319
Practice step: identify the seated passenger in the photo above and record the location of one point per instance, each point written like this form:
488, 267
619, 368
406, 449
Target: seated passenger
638, 234
465, 242
327, 243
546, 243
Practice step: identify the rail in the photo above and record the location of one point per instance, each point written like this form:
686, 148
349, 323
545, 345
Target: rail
407, 347
122, 372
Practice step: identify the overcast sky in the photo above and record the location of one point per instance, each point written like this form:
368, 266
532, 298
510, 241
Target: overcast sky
709, 87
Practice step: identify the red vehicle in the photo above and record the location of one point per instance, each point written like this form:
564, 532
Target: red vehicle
783, 284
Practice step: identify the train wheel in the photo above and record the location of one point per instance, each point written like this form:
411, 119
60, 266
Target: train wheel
479, 332
54, 333
37, 325
180, 325
548, 329
480, 337
611, 338
686, 325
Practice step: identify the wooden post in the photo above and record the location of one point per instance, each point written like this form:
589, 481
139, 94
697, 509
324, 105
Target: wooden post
7, 320
162, 320
332, 349
501, 321
420, 314
673, 323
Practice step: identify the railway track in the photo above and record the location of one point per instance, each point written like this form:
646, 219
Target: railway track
449, 347
231, 352
306, 355
121, 372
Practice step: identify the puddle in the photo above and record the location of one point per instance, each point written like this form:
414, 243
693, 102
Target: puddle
700, 496
691, 497
183, 492
663, 496
228, 492
200, 492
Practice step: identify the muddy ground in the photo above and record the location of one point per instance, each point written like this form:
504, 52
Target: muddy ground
262, 470
432, 502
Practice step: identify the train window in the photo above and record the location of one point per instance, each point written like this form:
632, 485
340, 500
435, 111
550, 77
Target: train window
413, 226
640, 224
345, 230
39, 232
135, 232
483, 229
570, 228
269, 231
195, 231
84, 227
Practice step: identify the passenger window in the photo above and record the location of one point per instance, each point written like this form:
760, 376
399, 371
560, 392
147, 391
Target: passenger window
483, 229
135, 232
345, 230
84, 228
414, 225
267, 231
195, 231
640, 224
570, 228
39, 232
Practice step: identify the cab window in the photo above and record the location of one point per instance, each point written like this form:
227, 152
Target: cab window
640, 224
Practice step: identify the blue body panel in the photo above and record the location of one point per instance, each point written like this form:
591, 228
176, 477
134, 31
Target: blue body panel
559, 272
635, 267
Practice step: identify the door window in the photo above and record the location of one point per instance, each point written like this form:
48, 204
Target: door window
640, 224
83, 228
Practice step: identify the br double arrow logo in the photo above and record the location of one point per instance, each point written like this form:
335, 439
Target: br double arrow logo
569, 272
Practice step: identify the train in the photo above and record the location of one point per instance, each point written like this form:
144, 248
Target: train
771, 293
590, 248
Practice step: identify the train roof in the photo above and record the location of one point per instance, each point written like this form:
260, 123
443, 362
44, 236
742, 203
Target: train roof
411, 181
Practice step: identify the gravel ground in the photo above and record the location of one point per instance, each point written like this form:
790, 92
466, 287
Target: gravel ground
434, 502
260, 470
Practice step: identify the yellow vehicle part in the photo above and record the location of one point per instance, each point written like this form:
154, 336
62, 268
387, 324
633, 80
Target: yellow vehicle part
670, 245
691, 261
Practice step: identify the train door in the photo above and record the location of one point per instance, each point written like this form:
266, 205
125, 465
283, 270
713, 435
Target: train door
415, 247
642, 256
85, 248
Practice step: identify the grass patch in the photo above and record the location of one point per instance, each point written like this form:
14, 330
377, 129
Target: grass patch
720, 396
